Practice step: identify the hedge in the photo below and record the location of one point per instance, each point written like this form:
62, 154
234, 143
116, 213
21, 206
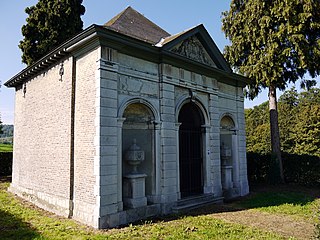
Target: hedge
5, 163
301, 169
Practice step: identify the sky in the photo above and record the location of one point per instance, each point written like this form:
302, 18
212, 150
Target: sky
174, 16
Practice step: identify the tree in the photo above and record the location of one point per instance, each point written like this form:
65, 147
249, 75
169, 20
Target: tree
299, 124
273, 42
306, 132
50, 22
257, 129
288, 109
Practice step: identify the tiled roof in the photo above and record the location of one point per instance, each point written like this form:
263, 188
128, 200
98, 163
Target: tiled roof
170, 38
132, 23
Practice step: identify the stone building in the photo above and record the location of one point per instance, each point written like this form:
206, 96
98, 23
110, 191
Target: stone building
125, 121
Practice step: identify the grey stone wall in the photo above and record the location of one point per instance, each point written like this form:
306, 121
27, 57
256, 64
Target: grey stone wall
42, 139
106, 83
85, 136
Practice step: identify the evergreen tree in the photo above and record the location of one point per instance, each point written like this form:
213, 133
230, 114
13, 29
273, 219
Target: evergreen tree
50, 22
288, 108
273, 42
306, 132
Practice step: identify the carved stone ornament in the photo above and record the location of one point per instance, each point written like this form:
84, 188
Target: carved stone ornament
193, 49
134, 156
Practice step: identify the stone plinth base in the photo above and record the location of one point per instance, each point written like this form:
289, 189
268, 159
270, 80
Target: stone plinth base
226, 177
134, 190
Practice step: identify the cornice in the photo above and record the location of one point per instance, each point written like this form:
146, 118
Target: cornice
99, 35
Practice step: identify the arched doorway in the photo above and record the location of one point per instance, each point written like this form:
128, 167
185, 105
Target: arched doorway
190, 150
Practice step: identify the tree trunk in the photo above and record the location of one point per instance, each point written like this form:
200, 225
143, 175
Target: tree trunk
274, 129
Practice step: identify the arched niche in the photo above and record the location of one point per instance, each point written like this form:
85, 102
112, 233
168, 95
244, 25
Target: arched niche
138, 127
227, 124
227, 129
228, 154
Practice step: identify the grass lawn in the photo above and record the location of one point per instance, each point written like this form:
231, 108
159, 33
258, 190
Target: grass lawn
6, 147
285, 203
21, 220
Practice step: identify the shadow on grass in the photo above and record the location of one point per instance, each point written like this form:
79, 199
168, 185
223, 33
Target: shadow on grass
12, 227
276, 199
5, 179
262, 196
270, 195
204, 210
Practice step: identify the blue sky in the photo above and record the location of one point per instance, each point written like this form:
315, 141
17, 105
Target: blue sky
174, 16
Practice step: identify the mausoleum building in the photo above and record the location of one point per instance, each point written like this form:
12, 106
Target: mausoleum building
125, 121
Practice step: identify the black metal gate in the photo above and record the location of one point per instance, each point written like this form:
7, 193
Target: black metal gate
190, 151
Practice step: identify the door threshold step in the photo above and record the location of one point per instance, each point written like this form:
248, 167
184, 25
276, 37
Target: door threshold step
194, 202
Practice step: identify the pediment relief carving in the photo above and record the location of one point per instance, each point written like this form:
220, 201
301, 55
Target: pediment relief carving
193, 49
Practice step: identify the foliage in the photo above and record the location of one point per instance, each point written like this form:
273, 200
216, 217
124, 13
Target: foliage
18, 221
287, 106
258, 129
258, 167
5, 163
7, 131
273, 42
301, 169
50, 22
6, 137
299, 123
306, 133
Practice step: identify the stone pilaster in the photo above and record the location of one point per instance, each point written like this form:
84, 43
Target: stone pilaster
106, 157
214, 142
243, 179
168, 145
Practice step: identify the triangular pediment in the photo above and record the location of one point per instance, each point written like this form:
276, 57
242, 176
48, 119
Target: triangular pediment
197, 45
193, 49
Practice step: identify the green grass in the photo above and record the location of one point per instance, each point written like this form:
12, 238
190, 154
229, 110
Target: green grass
290, 203
18, 221
6, 147
317, 218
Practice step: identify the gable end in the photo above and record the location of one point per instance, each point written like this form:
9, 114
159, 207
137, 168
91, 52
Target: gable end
200, 41
193, 49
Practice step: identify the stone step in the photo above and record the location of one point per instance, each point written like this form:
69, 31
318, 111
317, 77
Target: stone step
186, 204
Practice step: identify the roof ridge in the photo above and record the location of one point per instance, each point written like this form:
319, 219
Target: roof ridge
115, 18
132, 23
170, 38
